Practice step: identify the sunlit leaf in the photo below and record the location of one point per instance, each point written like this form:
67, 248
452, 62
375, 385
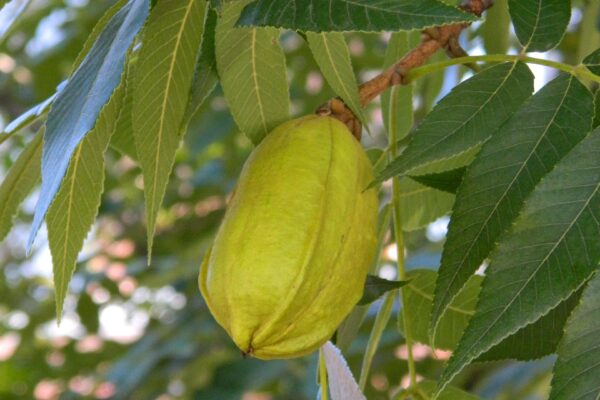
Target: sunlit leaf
78, 105
355, 15
97, 31
18, 182
418, 303
75, 207
421, 205
333, 58
551, 250
540, 24
10, 11
506, 170
162, 83
252, 69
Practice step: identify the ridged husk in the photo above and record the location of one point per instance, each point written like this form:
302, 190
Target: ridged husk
290, 259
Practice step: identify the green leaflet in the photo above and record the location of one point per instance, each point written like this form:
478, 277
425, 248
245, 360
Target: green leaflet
18, 182
205, 77
375, 287
421, 204
447, 181
252, 69
589, 37
333, 58
11, 14
576, 371
98, 28
592, 61
551, 250
396, 103
355, 15
496, 28
540, 24
79, 103
506, 170
537, 339
469, 115
162, 82
123, 139
419, 298
75, 207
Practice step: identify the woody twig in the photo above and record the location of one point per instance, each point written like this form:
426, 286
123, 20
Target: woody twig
432, 39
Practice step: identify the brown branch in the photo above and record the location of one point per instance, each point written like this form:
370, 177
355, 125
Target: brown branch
432, 39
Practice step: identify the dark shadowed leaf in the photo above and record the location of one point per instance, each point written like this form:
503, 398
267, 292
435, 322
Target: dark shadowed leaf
506, 170
593, 62
577, 369
205, 77
447, 181
551, 250
466, 117
537, 339
355, 15
375, 287
540, 24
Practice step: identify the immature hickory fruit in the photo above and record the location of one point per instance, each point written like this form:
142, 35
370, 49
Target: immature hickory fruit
291, 256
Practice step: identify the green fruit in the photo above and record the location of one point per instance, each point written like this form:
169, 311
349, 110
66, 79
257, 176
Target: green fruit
290, 259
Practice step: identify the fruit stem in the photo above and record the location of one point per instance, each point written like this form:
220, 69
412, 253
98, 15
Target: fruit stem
323, 376
399, 236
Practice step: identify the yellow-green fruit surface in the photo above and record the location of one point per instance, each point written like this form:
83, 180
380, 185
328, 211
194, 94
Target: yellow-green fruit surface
290, 259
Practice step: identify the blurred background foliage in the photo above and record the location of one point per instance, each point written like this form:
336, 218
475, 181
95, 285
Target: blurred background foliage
143, 332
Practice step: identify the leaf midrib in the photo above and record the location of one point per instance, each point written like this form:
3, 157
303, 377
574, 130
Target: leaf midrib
161, 130
255, 80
